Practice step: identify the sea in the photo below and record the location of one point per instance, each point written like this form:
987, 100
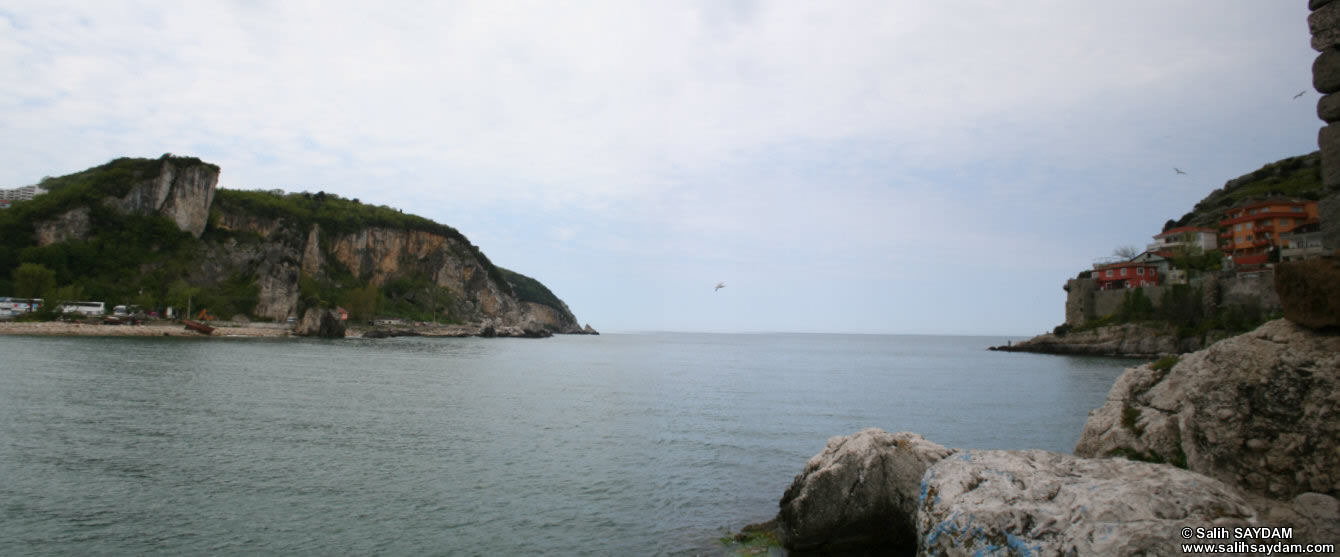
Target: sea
618, 444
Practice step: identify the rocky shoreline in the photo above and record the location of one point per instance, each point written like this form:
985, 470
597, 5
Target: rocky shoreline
1130, 340
1243, 434
158, 329
173, 329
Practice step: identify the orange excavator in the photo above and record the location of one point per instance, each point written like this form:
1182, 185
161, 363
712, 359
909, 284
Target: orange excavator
205, 315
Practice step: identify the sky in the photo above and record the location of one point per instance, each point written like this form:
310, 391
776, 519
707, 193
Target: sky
891, 166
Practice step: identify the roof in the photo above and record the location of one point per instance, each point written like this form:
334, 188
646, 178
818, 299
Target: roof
1270, 201
1182, 229
1125, 264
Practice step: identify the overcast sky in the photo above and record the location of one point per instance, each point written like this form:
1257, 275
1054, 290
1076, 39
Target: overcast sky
868, 167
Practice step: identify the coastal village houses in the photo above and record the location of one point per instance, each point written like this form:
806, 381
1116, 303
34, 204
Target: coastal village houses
1252, 230
1248, 234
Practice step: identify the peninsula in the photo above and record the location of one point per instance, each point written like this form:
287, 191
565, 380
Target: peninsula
158, 237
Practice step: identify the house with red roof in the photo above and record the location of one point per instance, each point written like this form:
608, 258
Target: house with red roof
1126, 274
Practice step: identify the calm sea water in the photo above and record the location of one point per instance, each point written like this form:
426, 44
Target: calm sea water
610, 445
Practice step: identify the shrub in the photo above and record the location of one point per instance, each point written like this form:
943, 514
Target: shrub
1164, 364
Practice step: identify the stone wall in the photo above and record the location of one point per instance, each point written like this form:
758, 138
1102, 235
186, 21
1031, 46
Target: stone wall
1324, 23
1107, 302
1079, 301
1330, 222
1084, 302
1256, 291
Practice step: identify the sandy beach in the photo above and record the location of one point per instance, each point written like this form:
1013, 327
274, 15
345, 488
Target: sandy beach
159, 329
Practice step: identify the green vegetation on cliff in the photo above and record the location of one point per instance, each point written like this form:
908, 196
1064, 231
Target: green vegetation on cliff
530, 290
121, 256
1292, 177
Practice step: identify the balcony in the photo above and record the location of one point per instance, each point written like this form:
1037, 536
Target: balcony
1262, 216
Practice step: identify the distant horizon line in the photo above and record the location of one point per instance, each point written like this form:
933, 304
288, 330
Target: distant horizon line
719, 332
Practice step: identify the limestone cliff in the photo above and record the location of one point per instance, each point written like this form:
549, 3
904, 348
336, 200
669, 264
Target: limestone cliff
178, 188
435, 268
181, 191
157, 233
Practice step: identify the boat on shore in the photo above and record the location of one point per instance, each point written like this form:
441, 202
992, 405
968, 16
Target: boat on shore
198, 327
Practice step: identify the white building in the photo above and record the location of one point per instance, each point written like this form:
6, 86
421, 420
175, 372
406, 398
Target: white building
21, 194
1204, 238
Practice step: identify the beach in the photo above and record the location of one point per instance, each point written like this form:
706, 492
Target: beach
153, 329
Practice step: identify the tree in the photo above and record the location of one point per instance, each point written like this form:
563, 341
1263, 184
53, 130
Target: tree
362, 303
1187, 252
1125, 252
32, 280
180, 295
64, 295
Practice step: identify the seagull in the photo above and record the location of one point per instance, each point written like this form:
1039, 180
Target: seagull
720, 285
1178, 170
1300, 93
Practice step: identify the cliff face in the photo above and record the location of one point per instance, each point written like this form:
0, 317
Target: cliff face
182, 192
381, 256
262, 254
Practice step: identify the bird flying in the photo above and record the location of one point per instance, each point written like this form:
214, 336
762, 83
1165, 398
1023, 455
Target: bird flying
720, 285
1300, 93
1178, 170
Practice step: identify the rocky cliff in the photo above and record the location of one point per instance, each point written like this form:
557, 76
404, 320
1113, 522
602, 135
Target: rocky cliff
1258, 410
1135, 340
263, 254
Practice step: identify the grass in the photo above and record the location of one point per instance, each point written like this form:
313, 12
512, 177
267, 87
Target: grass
1129, 416
1165, 363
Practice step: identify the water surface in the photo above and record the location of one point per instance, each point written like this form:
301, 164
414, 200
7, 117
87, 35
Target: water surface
610, 445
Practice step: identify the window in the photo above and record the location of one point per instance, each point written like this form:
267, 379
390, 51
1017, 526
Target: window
1109, 272
1237, 226
1140, 271
1123, 271
1297, 209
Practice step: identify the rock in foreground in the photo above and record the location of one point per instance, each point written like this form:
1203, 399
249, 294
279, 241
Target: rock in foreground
859, 494
1259, 411
1044, 503
1309, 293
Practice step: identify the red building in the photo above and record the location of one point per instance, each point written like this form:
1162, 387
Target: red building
1127, 274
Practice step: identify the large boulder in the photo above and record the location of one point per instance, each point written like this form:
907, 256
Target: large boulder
1310, 292
1045, 503
1259, 411
859, 494
323, 323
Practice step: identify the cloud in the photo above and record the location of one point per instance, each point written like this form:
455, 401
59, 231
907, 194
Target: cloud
856, 135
